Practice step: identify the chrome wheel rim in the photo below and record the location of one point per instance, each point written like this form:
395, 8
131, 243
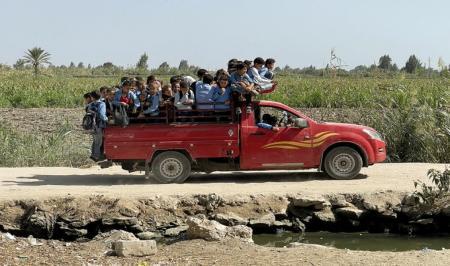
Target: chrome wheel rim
343, 163
171, 168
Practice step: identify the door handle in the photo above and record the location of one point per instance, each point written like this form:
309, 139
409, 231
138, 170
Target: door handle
307, 137
258, 134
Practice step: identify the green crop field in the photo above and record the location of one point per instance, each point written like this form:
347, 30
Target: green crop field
411, 113
22, 89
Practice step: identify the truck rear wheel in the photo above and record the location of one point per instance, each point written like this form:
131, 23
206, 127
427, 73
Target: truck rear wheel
343, 163
171, 167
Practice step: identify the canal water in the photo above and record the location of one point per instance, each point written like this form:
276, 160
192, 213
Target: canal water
355, 241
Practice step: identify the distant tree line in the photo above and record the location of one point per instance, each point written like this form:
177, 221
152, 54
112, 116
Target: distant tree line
37, 57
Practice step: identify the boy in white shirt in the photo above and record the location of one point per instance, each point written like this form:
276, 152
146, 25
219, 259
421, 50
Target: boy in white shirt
184, 99
263, 83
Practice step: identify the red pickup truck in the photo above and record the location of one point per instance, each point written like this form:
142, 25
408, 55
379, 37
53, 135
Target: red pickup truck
168, 150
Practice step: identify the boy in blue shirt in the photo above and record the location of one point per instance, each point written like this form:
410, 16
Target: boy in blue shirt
151, 101
203, 92
99, 108
243, 84
267, 70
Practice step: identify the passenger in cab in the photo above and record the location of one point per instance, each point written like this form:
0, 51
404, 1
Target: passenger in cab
184, 99
268, 122
221, 95
262, 83
126, 98
203, 93
267, 70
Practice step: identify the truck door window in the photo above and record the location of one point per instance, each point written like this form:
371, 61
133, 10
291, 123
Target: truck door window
283, 118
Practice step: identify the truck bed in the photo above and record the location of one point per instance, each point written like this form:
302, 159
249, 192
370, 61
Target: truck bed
201, 140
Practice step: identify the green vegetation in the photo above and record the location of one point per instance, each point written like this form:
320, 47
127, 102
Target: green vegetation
411, 112
429, 194
55, 149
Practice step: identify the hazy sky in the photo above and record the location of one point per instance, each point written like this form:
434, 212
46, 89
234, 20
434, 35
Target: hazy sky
208, 33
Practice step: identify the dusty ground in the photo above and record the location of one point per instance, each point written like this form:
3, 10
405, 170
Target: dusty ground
39, 183
199, 252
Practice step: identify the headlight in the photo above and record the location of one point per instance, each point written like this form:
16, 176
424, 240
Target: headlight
373, 134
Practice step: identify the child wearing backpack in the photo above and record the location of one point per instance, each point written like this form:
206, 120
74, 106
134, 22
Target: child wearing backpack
98, 108
184, 99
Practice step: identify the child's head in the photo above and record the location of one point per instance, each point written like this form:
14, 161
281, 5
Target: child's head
140, 85
258, 62
175, 79
270, 63
241, 69
176, 86
109, 95
95, 95
208, 79
126, 86
201, 72
232, 63
166, 90
150, 79
103, 91
248, 63
87, 98
154, 87
222, 81
184, 86
122, 79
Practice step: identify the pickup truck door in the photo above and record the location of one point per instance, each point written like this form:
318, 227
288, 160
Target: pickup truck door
288, 148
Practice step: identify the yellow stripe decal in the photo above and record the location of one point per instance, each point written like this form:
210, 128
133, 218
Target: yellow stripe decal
318, 140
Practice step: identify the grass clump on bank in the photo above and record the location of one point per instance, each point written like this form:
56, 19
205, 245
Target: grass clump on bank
33, 149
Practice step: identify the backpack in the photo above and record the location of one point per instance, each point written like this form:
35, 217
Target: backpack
121, 117
89, 121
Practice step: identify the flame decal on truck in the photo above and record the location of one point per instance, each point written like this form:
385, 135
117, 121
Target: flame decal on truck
318, 140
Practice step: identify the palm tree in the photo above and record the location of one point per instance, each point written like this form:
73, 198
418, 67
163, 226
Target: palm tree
36, 57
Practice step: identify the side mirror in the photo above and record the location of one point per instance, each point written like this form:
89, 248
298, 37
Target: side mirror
300, 123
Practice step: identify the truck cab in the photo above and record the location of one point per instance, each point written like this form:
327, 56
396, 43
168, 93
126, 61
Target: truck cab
170, 150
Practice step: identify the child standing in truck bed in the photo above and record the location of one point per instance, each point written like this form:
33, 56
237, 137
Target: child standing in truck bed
184, 99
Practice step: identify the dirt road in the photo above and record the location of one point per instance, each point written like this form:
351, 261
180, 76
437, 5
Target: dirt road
41, 183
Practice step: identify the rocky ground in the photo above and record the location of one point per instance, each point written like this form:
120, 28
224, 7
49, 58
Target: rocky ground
223, 223
201, 252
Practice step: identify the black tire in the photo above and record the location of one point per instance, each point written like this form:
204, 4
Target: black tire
171, 167
343, 163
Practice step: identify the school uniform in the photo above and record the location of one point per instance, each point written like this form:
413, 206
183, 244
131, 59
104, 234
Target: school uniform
99, 108
130, 98
203, 94
234, 80
262, 82
219, 96
153, 108
181, 98
266, 73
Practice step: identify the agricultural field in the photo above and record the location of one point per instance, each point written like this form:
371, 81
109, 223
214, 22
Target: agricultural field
411, 113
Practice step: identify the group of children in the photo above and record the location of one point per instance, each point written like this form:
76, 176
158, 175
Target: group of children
140, 99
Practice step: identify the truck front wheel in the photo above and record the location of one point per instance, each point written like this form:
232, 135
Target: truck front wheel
171, 167
343, 163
